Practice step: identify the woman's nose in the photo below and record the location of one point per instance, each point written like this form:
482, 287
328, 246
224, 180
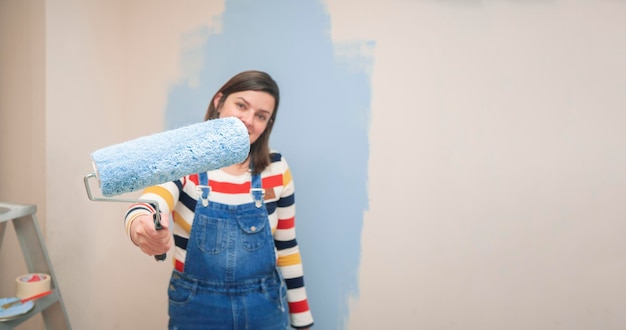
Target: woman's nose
246, 117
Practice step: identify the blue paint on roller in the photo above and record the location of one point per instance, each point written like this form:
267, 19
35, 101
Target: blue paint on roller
170, 155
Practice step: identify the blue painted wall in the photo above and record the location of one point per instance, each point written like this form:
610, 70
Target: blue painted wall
321, 129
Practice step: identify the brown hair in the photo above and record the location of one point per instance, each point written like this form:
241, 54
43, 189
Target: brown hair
250, 81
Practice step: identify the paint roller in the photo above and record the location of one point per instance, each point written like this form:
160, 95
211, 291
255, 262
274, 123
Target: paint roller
167, 156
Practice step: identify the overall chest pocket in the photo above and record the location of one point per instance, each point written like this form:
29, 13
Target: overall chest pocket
210, 235
254, 235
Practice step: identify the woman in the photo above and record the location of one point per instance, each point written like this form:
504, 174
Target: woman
236, 263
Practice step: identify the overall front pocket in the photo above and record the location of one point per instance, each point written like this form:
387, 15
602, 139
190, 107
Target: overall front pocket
253, 232
211, 237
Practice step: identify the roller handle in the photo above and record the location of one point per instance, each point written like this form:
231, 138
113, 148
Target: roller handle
156, 217
157, 225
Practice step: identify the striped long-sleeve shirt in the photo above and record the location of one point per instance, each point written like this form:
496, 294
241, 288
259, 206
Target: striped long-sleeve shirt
179, 198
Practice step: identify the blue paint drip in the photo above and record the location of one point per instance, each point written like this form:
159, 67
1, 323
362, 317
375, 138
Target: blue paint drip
321, 129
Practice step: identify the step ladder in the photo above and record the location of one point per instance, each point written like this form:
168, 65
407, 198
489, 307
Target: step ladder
37, 261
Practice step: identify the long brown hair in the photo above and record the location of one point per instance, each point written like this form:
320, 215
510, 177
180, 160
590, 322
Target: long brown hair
250, 81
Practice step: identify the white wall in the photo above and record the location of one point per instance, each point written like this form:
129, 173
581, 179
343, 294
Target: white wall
22, 120
497, 165
496, 156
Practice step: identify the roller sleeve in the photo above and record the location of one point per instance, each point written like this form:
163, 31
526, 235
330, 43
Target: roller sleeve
170, 155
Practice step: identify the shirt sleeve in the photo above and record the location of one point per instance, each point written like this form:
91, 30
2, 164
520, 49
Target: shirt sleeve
289, 259
165, 194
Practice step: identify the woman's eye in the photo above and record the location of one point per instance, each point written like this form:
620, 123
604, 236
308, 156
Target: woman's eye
240, 105
262, 117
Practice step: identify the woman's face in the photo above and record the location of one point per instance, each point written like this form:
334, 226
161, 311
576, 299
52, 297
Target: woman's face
253, 108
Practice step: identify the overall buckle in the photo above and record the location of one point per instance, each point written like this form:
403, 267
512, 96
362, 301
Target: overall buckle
204, 194
258, 194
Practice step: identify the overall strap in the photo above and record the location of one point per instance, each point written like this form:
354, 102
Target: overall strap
256, 190
203, 186
256, 187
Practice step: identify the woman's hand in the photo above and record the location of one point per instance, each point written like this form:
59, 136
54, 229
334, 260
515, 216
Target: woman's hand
151, 241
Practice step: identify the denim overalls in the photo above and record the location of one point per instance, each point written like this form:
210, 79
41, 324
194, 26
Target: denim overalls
230, 278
